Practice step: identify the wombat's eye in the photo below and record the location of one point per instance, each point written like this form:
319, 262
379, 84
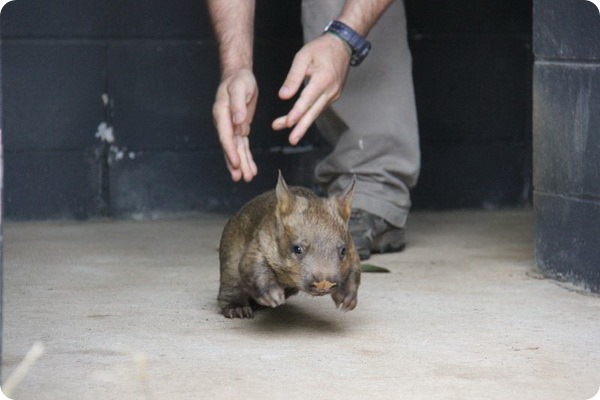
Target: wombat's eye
342, 251
297, 249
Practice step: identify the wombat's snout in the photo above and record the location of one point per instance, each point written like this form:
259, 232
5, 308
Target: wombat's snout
320, 286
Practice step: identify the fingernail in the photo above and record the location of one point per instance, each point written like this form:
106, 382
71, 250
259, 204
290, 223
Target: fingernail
284, 91
237, 117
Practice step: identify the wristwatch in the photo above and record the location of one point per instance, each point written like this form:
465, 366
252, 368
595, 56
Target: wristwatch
359, 45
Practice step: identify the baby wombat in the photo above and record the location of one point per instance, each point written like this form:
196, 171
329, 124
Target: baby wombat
284, 241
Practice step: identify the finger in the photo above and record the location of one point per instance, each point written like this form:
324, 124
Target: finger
313, 92
289, 120
242, 155
238, 95
307, 119
222, 121
251, 108
247, 164
243, 130
279, 123
236, 173
253, 169
295, 77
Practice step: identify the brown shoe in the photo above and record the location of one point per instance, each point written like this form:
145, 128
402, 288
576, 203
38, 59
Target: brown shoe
373, 234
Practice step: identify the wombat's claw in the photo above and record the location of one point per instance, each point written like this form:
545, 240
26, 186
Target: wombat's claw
238, 312
345, 302
272, 298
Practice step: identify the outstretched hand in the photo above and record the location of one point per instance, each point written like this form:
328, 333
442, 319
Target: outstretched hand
324, 64
233, 112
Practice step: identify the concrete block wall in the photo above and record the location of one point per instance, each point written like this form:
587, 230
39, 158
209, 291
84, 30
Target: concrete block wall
51, 90
149, 71
567, 140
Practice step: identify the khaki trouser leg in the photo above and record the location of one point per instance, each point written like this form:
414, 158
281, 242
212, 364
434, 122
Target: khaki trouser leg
373, 126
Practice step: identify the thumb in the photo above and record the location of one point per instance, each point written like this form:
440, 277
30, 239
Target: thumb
298, 72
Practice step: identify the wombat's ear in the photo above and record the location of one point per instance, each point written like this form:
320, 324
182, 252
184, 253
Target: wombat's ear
285, 199
344, 199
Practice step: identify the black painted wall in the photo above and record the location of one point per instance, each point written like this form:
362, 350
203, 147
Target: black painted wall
567, 140
149, 71
472, 63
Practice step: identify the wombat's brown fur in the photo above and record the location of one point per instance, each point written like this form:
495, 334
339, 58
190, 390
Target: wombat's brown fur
284, 241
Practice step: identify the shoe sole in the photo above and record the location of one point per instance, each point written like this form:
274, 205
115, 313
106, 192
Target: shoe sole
389, 242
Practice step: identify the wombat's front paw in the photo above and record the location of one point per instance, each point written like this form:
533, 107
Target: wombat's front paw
272, 297
345, 300
233, 311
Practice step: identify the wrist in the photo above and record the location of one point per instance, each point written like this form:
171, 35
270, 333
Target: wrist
341, 40
229, 71
234, 59
358, 45
355, 24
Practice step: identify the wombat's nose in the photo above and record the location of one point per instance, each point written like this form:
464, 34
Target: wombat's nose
323, 286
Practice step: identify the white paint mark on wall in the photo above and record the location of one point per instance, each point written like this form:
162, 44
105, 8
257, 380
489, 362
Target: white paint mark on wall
105, 99
116, 153
119, 154
105, 133
361, 144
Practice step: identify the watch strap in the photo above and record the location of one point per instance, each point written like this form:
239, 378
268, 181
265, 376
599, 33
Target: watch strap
359, 45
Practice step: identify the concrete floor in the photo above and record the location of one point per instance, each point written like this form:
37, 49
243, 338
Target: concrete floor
127, 310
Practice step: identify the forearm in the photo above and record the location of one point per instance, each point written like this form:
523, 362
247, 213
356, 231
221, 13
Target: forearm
361, 15
233, 24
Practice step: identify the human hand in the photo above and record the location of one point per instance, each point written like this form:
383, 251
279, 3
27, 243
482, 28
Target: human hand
233, 111
325, 61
